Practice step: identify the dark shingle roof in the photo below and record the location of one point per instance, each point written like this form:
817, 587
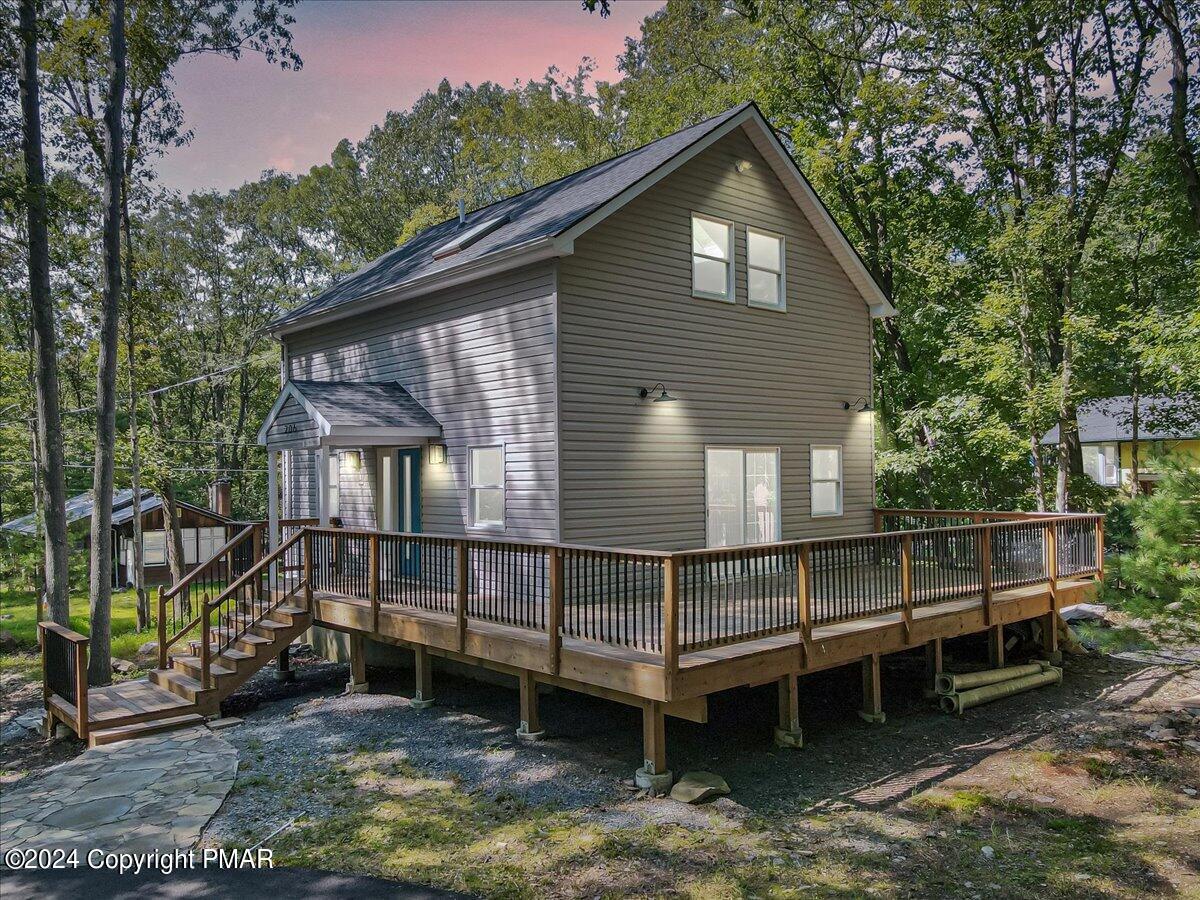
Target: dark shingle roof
543, 212
380, 404
1162, 419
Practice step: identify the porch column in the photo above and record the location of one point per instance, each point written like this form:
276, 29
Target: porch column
323, 486
273, 497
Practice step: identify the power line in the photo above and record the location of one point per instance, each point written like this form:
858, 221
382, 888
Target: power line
29, 462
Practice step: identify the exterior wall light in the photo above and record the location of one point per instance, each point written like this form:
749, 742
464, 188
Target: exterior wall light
351, 462
859, 405
743, 166
436, 454
661, 398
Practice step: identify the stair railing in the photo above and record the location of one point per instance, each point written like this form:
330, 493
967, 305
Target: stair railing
64, 677
251, 598
179, 605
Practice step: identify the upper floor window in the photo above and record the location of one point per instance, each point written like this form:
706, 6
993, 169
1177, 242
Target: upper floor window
826, 480
764, 258
712, 258
486, 476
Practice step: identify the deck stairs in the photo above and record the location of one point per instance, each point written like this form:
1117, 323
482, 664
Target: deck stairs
174, 697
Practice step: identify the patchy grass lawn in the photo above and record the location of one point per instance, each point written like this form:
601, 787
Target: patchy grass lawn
22, 606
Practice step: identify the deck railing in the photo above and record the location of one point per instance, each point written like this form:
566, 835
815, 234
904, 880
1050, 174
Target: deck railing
661, 603
64, 677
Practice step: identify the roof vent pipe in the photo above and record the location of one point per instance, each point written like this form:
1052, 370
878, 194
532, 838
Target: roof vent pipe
462, 212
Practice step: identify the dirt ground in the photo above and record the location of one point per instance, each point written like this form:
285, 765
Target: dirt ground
1085, 789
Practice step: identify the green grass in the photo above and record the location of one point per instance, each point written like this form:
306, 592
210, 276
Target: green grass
1112, 640
22, 606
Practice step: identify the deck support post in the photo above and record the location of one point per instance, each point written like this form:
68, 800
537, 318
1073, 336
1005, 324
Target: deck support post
1050, 646
654, 774
872, 709
530, 728
788, 733
933, 665
996, 646
358, 666
283, 671
422, 668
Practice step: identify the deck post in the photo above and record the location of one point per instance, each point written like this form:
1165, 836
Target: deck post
373, 578
206, 643
1100, 547
81, 689
530, 728
933, 665
162, 627
906, 582
308, 571
788, 733
283, 671
877, 520
996, 645
1051, 540
554, 562
872, 710
358, 666
422, 668
461, 576
985, 571
654, 774
670, 624
804, 589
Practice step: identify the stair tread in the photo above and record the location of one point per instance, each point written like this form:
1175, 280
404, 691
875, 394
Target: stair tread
127, 732
174, 675
213, 666
247, 637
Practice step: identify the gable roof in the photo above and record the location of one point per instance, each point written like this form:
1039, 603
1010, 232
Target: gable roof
1163, 418
543, 222
355, 409
79, 508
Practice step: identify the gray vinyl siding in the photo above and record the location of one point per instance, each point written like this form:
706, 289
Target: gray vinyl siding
300, 484
481, 359
356, 494
292, 427
632, 472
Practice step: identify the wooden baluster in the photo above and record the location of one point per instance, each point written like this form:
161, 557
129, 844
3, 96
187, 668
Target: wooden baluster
307, 541
554, 560
373, 576
670, 624
81, 689
205, 641
162, 628
804, 599
906, 582
460, 592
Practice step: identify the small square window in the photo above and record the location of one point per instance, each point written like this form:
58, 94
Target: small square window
712, 258
765, 281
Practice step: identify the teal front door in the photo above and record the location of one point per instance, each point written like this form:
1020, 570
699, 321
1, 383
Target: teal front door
408, 479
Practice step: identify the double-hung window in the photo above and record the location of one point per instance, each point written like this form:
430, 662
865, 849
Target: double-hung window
486, 478
826, 480
742, 488
764, 263
154, 548
712, 258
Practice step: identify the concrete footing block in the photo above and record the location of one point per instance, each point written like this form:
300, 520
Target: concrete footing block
63, 731
789, 740
524, 734
874, 718
357, 687
658, 782
421, 702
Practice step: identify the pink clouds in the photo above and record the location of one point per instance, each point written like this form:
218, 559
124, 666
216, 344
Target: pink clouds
362, 59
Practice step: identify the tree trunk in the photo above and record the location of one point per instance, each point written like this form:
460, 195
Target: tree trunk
50, 470
1168, 14
135, 464
100, 665
174, 535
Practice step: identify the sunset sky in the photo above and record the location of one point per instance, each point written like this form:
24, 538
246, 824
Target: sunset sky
364, 57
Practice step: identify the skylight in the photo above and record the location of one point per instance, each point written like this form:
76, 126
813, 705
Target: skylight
469, 237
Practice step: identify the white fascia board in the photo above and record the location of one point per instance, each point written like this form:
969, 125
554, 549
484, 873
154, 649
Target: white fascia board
492, 264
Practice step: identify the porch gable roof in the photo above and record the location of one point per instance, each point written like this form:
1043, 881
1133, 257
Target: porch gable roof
346, 413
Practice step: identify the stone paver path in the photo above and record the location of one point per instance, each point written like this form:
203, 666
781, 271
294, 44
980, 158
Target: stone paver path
156, 792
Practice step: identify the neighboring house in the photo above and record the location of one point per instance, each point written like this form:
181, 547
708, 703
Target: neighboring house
504, 373
1168, 427
204, 532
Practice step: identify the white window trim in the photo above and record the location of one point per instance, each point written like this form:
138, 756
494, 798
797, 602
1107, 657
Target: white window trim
841, 482
781, 274
730, 295
778, 484
503, 488
333, 484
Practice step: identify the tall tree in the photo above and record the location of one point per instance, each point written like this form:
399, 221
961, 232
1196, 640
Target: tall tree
101, 562
50, 477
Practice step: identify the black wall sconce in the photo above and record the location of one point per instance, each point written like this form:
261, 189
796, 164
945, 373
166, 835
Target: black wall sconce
859, 405
661, 398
